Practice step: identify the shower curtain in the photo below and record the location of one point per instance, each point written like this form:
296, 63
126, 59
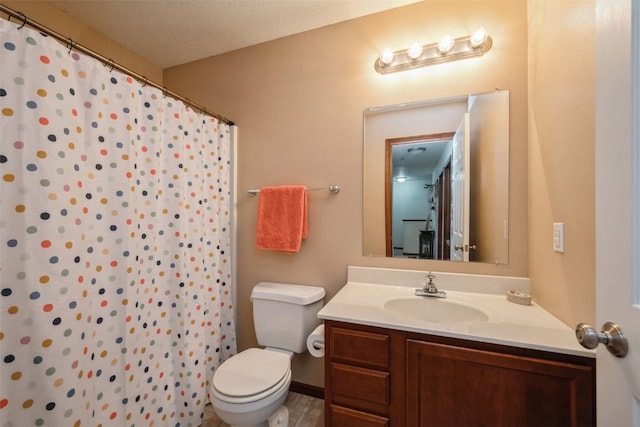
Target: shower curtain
115, 259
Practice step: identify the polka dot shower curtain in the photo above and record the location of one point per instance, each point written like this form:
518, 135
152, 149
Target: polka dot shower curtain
115, 261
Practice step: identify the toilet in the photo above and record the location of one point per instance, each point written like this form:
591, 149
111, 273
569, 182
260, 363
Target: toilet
249, 389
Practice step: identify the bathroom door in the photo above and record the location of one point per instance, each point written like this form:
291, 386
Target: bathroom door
617, 201
460, 192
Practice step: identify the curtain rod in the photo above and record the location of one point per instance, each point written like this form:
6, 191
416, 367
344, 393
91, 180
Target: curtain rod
106, 61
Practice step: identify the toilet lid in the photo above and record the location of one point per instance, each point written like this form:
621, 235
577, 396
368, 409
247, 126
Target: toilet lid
250, 372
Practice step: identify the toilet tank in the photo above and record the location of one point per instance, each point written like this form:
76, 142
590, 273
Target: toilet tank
285, 314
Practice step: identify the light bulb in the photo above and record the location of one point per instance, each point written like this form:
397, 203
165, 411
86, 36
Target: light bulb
401, 178
478, 38
414, 51
445, 44
386, 57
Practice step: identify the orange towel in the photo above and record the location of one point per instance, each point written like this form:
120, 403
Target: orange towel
282, 218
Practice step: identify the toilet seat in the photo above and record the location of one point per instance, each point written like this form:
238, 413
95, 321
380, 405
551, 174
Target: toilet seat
251, 375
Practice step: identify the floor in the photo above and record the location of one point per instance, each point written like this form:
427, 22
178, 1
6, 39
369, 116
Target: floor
304, 411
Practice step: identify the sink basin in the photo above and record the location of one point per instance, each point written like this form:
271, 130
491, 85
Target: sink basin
435, 310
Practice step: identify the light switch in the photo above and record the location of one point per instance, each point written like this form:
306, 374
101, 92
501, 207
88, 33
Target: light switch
558, 237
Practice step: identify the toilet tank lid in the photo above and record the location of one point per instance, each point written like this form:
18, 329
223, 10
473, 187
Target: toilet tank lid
295, 294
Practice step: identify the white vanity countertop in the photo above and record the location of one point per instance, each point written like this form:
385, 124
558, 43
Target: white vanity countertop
532, 327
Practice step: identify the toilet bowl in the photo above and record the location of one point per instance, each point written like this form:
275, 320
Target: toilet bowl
251, 386
249, 389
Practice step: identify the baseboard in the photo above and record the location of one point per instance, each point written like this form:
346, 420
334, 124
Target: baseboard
307, 389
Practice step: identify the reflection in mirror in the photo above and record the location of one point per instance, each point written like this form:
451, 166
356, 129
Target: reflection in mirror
411, 163
436, 179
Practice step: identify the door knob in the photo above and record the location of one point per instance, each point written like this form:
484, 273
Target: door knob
611, 336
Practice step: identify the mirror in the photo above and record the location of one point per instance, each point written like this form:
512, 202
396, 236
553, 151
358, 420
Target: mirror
436, 179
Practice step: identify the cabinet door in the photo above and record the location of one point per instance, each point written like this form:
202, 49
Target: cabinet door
453, 386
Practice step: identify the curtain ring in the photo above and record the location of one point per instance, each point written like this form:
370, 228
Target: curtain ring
112, 63
24, 20
164, 91
145, 81
71, 43
188, 103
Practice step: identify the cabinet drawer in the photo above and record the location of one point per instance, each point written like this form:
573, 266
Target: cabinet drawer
345, 417
360, 347
353, 383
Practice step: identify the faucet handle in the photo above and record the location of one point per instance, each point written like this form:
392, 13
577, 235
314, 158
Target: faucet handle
429, 280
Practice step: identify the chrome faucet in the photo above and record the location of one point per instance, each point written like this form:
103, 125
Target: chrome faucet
430, 289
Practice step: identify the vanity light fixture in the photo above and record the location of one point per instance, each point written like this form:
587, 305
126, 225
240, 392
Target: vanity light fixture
401, 178
445, 50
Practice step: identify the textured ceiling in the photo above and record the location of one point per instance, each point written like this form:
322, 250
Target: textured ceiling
174, 32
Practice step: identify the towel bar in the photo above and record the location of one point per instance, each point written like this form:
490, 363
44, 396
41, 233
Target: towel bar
332, 188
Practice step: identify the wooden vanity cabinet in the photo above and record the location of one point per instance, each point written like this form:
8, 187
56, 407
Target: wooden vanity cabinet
382, 377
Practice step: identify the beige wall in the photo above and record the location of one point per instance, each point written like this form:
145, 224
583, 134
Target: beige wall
55, 19
298, 102
561, 156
